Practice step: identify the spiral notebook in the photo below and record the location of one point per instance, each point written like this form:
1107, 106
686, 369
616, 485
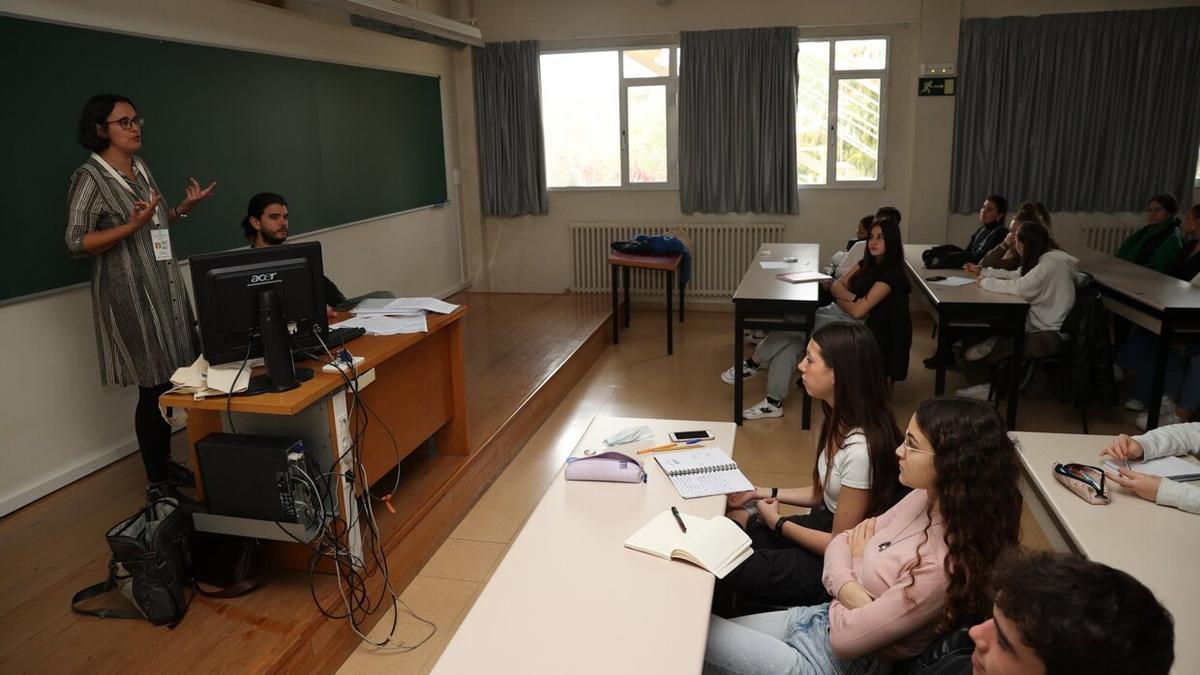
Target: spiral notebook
703, 473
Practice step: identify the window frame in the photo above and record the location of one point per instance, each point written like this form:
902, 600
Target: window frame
835, 76
670, 81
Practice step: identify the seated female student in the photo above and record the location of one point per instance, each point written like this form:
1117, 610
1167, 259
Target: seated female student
855, 475
1155, 245
1165, 441
878, 275
1004, 256
922, 567
1181, 398
1046, 279
991, 228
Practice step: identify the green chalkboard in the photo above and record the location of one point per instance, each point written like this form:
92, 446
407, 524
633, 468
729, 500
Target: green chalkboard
341, 143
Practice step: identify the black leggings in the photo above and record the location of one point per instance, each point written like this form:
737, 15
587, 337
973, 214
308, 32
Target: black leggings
778, 573
153, 432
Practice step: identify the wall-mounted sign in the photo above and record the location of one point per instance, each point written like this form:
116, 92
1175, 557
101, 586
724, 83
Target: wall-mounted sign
935, 86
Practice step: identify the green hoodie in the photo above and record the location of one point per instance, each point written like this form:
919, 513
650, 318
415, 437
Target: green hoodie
1160, 258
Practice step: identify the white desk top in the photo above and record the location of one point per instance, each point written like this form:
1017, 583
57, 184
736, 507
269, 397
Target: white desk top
570, 598
965, 294
1158, 545
761, 284
1145, 285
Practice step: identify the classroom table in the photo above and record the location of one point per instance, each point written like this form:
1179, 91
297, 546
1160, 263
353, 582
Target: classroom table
1161, 304
568, 597
1158, 545
763, 302
968, 307
668, 264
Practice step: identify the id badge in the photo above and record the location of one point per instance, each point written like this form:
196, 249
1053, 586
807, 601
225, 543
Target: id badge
161, 238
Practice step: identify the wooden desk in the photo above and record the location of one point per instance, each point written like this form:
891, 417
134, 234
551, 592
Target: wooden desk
763, 302
1158, 545
970, 306
1159, 303
568, 597
418, 395
625, 262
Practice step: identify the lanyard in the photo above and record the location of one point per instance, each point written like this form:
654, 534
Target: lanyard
137, 163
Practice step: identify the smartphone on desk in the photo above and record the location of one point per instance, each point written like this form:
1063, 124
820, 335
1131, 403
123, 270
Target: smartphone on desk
685, 436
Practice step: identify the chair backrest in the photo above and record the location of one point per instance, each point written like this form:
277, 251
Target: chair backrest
1089, 351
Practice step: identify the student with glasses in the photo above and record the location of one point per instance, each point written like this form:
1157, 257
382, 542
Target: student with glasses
143, 317
921, 568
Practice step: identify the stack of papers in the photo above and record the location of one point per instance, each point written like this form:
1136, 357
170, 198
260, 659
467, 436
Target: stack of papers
387, 316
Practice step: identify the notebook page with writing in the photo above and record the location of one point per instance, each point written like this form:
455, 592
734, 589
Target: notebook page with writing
703, 473
1175, 468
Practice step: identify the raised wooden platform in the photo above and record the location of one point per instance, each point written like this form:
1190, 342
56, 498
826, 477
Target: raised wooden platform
523, 353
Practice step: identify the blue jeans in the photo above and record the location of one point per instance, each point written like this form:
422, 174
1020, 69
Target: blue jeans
793, 641
1181, 381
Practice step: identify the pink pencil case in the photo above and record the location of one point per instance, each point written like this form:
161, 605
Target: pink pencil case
1086, 481
612, 466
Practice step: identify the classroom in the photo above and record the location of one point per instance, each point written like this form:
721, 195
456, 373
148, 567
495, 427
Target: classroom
421, 178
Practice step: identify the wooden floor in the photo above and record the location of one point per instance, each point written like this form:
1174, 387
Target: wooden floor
522, 354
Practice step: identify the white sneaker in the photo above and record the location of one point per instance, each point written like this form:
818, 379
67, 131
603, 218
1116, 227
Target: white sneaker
756, 337
1166, 415
979, 391
763, 410
1134, 405
748, 371
979, 351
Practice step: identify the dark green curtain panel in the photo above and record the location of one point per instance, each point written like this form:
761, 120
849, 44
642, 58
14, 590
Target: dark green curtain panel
508, 113
737, 121
1084, 112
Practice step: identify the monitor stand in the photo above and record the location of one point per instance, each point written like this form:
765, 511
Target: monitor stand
282, 374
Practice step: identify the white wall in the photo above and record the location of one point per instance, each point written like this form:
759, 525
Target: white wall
919, 130
58, 423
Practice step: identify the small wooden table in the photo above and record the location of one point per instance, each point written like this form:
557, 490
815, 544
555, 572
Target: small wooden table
1161, 304
625, 262
959, 307
568, 597
1157, 545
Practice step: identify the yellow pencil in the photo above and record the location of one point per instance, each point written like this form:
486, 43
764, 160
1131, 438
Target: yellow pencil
677, 446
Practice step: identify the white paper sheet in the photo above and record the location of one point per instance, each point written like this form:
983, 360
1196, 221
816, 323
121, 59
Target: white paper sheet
378, 324
773, 265
951, 282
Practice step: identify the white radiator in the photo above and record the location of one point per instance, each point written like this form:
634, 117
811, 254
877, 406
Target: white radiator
1105, 238
721, 253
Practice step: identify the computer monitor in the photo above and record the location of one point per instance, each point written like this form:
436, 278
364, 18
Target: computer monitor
251, 298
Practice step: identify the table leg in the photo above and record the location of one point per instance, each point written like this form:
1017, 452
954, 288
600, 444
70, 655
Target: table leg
670, 319
625, 270
943, 347
615, 312
1014, 370
1162, 346
738, 357
681, 298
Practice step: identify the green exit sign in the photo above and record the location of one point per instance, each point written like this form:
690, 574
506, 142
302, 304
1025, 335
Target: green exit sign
935, 86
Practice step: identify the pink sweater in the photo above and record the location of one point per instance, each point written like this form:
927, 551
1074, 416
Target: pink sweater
903, 626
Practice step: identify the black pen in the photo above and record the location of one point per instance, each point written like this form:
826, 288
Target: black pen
679, 520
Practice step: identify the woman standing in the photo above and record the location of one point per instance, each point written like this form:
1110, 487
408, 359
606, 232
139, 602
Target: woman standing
855, 475
143, 316
921, 568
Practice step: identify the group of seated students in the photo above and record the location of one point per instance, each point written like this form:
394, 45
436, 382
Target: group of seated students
909, 558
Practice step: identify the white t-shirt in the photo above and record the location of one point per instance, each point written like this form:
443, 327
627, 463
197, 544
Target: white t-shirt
851, 468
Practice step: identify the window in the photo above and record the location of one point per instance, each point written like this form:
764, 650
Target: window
840, 104
609, 117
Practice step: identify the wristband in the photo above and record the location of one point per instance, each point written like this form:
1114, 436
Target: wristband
774, 493
779, 525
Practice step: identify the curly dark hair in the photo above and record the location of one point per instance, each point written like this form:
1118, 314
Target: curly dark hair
258, 204
975, 463
1080, 616
862, 401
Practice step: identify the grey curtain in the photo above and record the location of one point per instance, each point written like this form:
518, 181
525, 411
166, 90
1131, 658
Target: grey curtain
1085, 112
737, 121
508, 114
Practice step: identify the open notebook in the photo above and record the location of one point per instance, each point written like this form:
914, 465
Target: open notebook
1174, 468
703, 473
718, 544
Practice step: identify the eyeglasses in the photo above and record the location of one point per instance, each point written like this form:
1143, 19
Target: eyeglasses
908, 448
127, 123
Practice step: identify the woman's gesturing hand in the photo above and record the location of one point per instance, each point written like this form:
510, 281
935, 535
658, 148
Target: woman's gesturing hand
195, 195
143, 212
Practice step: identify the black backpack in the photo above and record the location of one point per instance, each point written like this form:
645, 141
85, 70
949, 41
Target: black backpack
944, 257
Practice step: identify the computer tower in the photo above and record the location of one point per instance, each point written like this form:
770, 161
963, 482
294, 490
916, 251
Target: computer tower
258, 477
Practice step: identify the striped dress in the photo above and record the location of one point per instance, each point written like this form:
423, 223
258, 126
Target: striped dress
143, 316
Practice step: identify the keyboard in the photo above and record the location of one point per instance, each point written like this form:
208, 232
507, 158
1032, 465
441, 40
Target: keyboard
336, 337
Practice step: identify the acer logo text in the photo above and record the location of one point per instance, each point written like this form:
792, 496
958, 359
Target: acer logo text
259, 278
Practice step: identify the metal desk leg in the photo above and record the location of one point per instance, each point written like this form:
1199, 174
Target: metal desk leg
738, 357
1162, 346
943, 347
670, 319
1014, 370
627, 305
680, 298
615, 312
